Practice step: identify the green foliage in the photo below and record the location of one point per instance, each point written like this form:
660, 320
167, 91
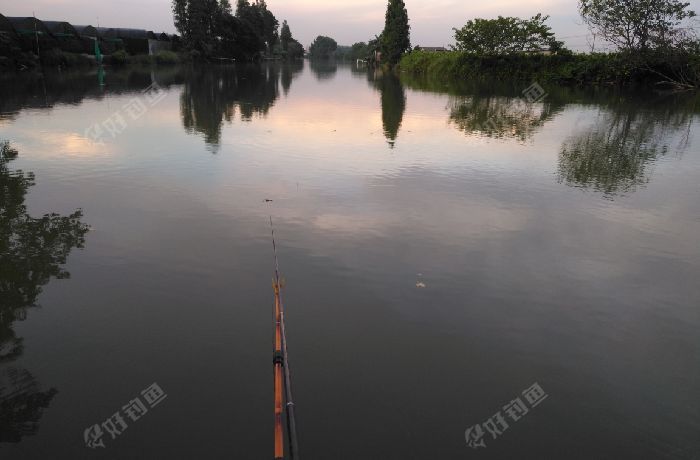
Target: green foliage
323, 47
225, 7
595, 68
295, 50
638, 25
57, 58
119, 58
209, 27
506, 35
396, 38
166, 58
261, 19
285, 35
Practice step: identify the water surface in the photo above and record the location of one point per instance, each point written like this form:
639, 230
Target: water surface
445, 248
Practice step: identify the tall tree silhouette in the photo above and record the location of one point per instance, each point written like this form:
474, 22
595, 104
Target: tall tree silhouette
396, 38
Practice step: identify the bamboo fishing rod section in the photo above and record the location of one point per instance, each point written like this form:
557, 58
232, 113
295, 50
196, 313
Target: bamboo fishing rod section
282, 375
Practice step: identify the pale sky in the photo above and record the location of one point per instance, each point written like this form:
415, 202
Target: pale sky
346, 21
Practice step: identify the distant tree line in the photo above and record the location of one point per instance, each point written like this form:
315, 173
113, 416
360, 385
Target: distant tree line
209, 28
388, 47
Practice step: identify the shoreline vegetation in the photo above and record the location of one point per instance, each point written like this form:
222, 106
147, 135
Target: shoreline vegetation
653, 44
682, 72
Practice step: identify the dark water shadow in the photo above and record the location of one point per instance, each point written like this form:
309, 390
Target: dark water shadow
33, 251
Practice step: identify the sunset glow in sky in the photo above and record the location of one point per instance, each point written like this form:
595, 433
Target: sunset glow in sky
346, 21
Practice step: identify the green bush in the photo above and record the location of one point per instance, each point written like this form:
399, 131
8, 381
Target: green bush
166, 58
119, 58
57, 58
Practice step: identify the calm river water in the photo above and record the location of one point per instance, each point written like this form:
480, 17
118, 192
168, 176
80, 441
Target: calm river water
482, 257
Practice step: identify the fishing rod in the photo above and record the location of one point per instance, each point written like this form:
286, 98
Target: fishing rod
282, 375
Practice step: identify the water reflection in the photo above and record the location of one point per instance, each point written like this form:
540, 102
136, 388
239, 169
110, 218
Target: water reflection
323, 69
32, 251
37, 91
393, 99
214, 94
613, 155
500, 117
289, 72
493, 109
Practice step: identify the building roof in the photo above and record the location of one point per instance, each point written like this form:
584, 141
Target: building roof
87, 31
123, 33
6, 25
61, 29
28, 26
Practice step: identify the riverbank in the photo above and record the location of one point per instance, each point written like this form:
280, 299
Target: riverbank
569, 68
57, 59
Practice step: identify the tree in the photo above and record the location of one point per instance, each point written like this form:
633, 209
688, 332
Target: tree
225, 7
359, 50
180, 16
396, 38
285, 35
208, 27
506, 35
295, 50
323, 47
242, 7
196, 20
637, 25
261, 19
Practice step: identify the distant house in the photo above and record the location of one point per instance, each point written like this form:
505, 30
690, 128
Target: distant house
433, 49
29, 27
87, 31
30, 31
67, 36
60, 29
6, 27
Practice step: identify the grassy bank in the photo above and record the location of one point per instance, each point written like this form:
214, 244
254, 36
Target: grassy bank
569, 68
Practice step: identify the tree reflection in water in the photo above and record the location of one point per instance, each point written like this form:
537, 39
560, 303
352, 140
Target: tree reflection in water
213, 94
613, 155
32, 251
393, 106
501, 116
323, 69
288, 72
